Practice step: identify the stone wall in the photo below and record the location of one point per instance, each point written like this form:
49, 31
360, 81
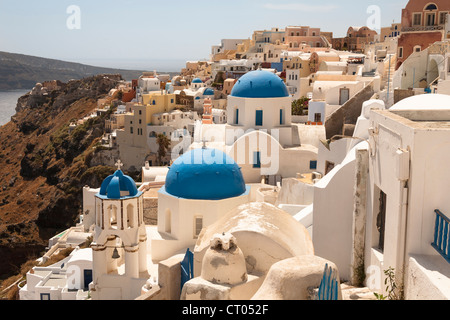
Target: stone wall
400, 94
151, 211
348, 113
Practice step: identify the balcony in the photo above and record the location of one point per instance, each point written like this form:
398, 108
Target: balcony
422, 28
441, 235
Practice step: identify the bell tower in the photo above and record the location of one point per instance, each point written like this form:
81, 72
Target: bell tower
120, 240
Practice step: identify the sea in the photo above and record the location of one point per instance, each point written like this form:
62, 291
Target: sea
8, 102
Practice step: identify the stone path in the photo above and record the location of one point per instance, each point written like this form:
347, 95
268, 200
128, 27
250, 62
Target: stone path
353, 293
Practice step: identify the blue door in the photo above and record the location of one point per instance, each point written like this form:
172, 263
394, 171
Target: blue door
259, 118
87, 278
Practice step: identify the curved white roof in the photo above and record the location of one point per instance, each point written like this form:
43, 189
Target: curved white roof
424, 102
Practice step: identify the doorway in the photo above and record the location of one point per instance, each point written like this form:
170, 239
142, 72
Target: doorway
87, 278
344, 96
381, 220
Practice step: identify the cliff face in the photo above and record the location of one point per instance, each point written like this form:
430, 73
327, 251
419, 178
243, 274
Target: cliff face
43, 167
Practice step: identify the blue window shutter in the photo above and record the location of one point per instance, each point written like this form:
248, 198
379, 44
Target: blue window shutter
237, 116
259, 118
281, 117
313, 165
257, 160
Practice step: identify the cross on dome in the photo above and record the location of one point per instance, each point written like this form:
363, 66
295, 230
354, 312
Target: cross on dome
119, 164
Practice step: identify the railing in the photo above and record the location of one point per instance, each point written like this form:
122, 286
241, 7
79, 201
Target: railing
441, 235
328, 289
187, 268
422, 28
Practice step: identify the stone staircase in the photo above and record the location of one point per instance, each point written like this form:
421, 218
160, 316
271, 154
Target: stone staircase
388, 78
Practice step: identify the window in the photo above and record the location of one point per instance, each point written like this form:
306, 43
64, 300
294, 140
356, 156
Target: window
281, 117
131, 130
417, 48
140, 121
198, 226
317, 117
257, 160
400, 52
45, 296
236, 120
313, 165
417, 19
442, 17
431, 7
259, 118
140, 112
168, 221
130, 216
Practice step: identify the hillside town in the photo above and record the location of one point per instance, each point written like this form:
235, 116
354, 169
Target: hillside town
291, 165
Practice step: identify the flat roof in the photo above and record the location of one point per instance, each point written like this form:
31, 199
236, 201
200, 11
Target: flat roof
55, 281
419, 119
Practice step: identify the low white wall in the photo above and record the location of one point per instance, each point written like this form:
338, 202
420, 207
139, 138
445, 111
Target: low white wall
333, 215
294, 191
428, 278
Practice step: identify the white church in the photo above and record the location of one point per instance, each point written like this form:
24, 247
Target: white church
260, 135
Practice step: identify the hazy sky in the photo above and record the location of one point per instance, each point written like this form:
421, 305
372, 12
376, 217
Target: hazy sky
163, 34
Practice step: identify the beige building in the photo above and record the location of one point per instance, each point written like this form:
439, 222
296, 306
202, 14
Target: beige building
133, 138
298, 38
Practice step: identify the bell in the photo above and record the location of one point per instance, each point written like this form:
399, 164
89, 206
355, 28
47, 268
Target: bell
115, 254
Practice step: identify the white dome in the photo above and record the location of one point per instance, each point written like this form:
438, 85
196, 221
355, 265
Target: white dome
424, 102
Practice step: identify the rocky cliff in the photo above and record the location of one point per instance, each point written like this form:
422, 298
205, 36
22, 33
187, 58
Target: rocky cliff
44, 167
18, 71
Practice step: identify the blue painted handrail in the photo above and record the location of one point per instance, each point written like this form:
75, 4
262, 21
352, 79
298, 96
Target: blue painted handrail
328, 289
187, 268
441, 235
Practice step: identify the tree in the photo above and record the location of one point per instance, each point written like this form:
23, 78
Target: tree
163, 146
299, 106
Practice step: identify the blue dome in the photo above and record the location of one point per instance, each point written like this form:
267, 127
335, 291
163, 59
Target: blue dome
208, 92
260, 84
205, 174
197, 80
118, 186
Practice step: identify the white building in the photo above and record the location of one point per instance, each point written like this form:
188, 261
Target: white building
201, 186
67, 279
226, 45
375, 209
259, 134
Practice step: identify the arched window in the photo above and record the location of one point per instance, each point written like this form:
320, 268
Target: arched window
168, 221
112, 214
99, 215
431, 7
130, 216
